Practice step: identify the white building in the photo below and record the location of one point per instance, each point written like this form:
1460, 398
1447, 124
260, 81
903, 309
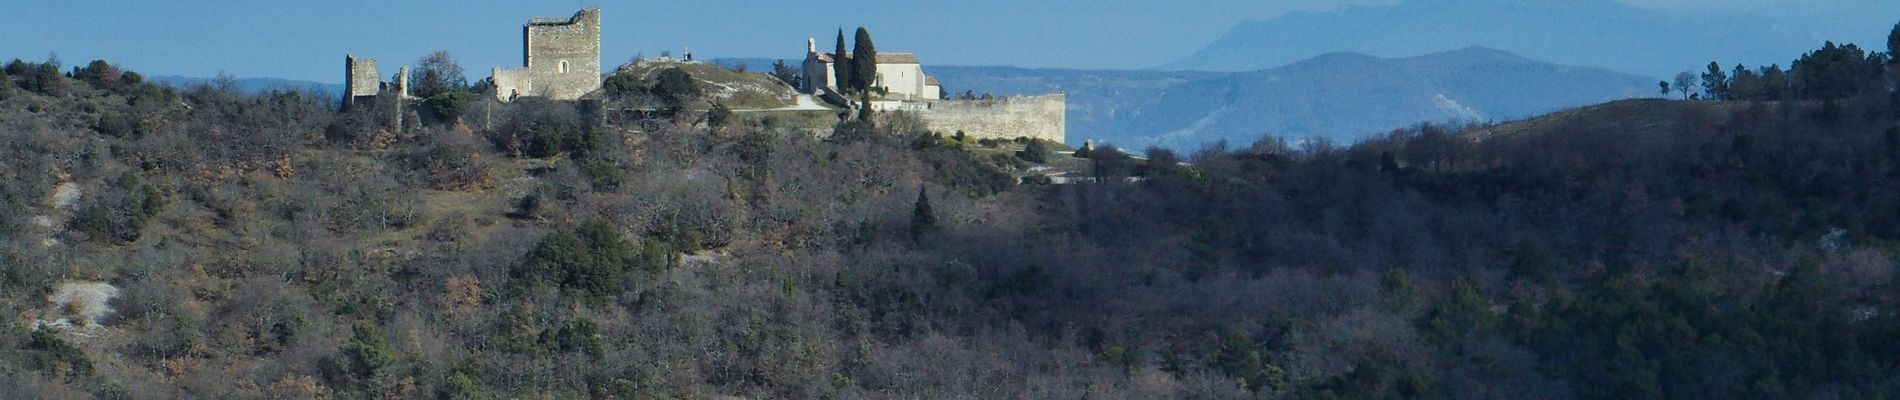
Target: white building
898, 73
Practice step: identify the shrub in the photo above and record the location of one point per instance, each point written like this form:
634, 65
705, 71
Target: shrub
116, 125
45, 79
675, 87
543, 129
719, 116
101, 75
592, 259
367, 353
448, 107
55, 356
1034, 152
120, 221
623, 85
602, 175
18, 68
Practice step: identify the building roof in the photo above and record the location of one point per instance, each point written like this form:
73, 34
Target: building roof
896, 58
882, 58
931, 80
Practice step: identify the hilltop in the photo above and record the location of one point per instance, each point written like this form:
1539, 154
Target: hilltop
745, 90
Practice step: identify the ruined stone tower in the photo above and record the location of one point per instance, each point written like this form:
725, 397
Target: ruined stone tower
561, 59
360, 76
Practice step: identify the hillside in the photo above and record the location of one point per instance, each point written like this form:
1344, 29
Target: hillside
209, 243
1341, 96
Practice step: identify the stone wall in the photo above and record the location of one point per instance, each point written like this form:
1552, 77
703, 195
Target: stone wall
561, 59
1039, 117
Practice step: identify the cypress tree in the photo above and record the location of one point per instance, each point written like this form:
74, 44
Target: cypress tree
923, 219
840, 66
863, 62
864, 107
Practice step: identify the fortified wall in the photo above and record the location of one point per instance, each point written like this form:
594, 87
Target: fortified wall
560, 58
1037, 117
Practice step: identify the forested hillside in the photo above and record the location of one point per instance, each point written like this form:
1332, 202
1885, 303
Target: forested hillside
269, 246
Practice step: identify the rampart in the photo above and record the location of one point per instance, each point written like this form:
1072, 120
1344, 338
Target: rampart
1038, 117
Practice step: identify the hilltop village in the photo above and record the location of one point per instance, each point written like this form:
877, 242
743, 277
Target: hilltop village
562, 62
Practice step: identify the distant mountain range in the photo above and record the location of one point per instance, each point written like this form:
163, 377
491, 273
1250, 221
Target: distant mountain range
1605, 33
1341, 96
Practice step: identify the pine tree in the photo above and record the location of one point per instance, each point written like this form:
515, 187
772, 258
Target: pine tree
840, 66
863, 62
1715, 82
1893, 50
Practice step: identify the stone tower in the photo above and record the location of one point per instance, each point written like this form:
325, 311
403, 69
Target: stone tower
560, 57
361, 78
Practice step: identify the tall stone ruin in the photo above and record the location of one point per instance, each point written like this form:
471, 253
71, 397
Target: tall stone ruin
362, 81
560, 57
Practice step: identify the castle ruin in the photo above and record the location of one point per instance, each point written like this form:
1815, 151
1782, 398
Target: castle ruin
560, 57
362, 84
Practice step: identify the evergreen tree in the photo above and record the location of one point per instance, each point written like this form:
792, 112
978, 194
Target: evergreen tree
1893, 40
1893, 54
863, 62
785, 73
1665, 87
1715, 83
864, 107
1744, 85
923, 219
1774, 83
840, 65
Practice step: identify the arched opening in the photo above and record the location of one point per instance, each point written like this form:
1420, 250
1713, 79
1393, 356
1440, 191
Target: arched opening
563, 66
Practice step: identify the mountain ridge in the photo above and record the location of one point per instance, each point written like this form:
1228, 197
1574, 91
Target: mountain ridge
1343, 96
1608, 33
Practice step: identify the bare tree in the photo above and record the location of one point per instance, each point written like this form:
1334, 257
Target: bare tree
1685, 82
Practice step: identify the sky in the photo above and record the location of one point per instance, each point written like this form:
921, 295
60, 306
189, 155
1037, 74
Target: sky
307, 40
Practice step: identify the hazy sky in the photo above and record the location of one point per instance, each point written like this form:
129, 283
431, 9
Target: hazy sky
307, 39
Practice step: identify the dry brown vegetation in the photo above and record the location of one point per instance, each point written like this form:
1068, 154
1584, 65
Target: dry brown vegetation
266, 246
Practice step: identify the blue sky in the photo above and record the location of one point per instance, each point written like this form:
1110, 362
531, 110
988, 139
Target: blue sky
307, 40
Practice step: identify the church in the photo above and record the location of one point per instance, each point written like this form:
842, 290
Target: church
898, 73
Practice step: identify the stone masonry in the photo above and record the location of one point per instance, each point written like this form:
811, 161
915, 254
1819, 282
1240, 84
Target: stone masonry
361, 77
1037, 117
363, 84
561, 59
